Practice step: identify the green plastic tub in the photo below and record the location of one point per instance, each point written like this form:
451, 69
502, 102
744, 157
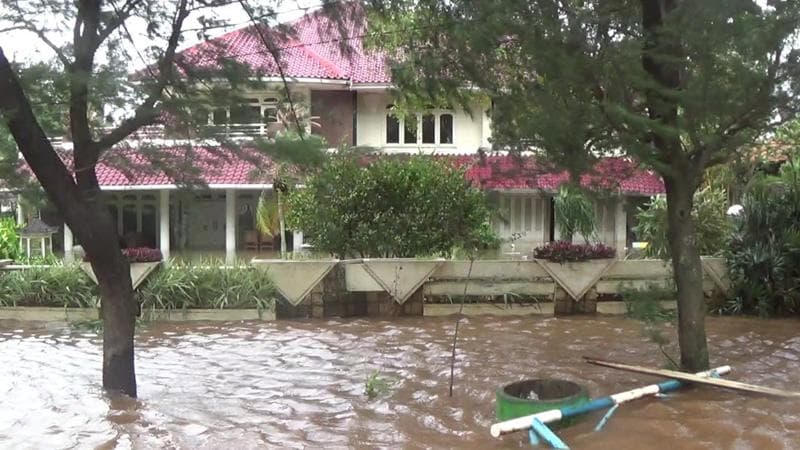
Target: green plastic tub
527, 397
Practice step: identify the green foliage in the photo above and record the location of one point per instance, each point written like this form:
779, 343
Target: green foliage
710, 219
391, 207
376, 385
55, 286
764, 253
209, 284
267, 218
574, 212
644, 305
9, 239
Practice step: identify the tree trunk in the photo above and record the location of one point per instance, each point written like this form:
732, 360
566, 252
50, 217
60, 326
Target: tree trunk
87, 216
688, 275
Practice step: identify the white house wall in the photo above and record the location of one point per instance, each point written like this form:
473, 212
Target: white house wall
526, 222
469, 132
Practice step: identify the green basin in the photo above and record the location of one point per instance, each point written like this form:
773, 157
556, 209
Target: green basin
527, 397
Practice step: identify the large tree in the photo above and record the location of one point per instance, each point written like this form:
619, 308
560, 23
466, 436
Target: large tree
92, 40
678, 85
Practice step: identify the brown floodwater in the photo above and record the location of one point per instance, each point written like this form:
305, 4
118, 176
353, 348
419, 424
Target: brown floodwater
301, 385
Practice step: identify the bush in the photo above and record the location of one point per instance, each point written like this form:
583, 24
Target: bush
210, 285
764, 252
57, 285
563, 251
391, 207
710, 219
9, 239
574, 212
138, 255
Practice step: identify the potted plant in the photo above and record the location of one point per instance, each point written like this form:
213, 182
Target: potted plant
143, 261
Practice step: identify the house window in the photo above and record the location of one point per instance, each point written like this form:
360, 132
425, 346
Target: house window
427, 129
410, 130
446, 129
392, 129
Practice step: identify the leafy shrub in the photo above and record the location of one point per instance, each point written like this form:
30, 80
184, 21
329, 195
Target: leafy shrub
764, 252
709, 214
563, 251
56, 285
209, 285
9, 239
138, 255
574, 212
391, 207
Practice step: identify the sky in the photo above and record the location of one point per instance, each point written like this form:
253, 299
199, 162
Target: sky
25, 46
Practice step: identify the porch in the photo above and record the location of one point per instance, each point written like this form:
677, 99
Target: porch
215, 222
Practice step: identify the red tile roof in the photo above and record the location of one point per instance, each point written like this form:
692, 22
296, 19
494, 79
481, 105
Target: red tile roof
314, 46
213, 166
507, 172
181, 165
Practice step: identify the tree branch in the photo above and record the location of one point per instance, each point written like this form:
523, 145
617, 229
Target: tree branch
48, 168
147, 113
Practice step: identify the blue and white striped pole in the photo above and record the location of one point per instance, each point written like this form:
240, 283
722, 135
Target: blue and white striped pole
554, 415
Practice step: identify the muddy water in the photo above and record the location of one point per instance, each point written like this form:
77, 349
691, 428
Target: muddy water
301, 385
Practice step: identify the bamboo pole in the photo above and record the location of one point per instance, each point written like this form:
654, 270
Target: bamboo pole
688, 377
554, 415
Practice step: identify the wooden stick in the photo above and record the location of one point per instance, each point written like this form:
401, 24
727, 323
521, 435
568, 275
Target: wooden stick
683, 376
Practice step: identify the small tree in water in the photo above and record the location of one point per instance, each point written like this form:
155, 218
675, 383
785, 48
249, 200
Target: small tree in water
679, 85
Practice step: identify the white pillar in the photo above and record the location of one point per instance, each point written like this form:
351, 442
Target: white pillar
20, 213
163, 225
297, 241
620, 227
230, 226
68, 244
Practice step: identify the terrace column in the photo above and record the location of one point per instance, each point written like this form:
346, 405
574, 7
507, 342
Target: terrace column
68, 244
20, 212
620, 227
230, 226
297, 241
163, 226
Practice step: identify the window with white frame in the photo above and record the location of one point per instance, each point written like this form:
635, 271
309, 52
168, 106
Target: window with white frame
430, 128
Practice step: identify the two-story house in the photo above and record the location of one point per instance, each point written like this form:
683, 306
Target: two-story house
348, 93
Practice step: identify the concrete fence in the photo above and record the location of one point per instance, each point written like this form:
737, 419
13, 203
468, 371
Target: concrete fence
408, 286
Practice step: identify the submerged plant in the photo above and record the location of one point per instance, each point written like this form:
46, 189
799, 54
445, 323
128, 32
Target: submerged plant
376, 385
645, 306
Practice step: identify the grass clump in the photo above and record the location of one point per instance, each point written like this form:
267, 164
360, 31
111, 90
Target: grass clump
58, 285
207, 285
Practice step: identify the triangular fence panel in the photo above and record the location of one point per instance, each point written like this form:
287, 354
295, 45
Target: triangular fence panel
400, 277
294, 280
576, 277
717, 270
